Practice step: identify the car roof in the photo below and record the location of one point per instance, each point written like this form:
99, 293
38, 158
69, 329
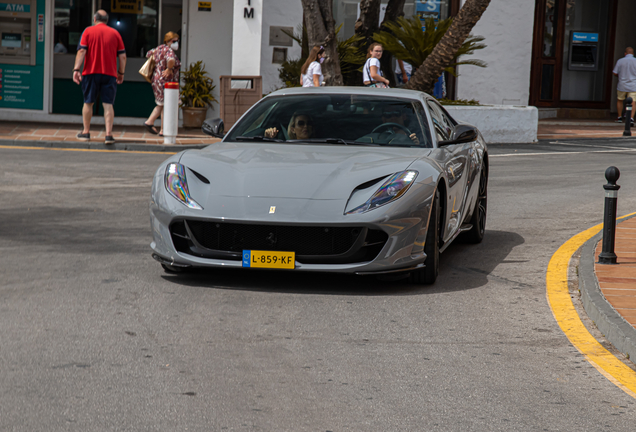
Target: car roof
369, 91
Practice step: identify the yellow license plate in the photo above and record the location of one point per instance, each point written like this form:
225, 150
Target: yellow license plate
269, 259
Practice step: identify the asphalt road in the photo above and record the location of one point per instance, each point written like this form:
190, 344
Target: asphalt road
95, 336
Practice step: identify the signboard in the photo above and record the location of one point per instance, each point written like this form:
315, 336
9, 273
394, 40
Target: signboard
428, 9
127, 6
21, 87
14, 7
584, 37
205, 6
40, 27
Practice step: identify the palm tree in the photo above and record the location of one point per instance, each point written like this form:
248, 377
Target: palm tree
446, 50
406, 40
321, 31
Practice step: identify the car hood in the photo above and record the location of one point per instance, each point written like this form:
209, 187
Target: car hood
262, 170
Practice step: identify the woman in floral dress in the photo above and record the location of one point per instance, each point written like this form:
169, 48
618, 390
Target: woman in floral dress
166, 70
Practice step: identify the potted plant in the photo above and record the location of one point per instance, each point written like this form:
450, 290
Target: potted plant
196, 95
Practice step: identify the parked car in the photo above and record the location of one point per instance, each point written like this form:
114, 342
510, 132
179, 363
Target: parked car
330, 179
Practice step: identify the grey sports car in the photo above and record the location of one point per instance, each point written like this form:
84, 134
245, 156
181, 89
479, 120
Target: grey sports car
329, 179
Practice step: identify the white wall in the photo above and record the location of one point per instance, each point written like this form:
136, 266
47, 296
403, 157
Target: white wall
210, 39
246, 38
283, 13
507, 26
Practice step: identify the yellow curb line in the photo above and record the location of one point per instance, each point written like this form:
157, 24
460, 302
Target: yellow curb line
85, 150
568, 319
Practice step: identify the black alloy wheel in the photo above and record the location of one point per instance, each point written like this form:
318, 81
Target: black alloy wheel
428, 274
478, 219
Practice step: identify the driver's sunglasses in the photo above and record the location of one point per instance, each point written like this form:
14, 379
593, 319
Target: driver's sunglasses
388, 114
302, 123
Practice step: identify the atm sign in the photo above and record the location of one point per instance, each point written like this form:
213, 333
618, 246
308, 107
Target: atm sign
14, 7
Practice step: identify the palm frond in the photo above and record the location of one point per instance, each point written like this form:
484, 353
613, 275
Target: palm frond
407, 41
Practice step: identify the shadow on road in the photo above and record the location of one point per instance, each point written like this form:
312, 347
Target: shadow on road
463, 267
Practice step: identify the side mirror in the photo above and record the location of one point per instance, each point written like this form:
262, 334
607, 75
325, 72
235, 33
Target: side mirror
213, 127
461, 134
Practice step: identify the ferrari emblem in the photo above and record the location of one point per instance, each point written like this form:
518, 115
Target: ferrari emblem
272, 209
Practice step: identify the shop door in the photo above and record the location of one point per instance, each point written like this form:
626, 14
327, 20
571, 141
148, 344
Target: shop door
573, 45
140, 29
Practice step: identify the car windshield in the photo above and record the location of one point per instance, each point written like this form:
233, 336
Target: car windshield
336, 120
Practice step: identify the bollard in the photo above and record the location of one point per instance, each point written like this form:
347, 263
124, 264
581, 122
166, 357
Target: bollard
170, 112
628, 117
607, 256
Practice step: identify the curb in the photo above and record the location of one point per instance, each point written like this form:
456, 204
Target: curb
614, 327
120, 145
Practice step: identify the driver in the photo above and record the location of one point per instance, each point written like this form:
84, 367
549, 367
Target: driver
301, 126
394, 114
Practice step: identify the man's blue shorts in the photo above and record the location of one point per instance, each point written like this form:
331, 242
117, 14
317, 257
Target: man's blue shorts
99, 84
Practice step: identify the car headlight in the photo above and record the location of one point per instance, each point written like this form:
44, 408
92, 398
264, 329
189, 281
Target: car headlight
177, 185
392, 189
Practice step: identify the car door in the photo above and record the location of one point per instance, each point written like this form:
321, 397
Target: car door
455, 159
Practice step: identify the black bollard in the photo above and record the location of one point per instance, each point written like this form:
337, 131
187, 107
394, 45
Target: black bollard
607, 256
628, 117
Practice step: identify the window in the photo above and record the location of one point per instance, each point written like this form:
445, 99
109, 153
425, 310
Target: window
442, 128
70, 18
138, 26
335, 119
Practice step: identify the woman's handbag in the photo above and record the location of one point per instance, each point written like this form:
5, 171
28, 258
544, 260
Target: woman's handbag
148, 68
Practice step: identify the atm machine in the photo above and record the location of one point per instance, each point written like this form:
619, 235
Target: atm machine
583, 52
18, 29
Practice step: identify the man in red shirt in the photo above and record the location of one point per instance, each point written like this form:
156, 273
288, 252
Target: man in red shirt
99, 49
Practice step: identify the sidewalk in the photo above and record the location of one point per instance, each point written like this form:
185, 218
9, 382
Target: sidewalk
608, 291
50, 134
16, 132
554, 129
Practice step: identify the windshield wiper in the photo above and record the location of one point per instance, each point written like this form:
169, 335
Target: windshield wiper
337, 141
257, 138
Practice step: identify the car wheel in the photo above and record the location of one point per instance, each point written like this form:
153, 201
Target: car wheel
478, 219
428, 274
172, 269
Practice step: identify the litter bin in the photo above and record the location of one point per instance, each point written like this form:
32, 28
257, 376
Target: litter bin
238, 94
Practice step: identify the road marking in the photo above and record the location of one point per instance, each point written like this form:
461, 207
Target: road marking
568, 319
587, 145
84, 150
628, 150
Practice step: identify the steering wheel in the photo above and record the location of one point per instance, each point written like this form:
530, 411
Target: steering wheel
389, 125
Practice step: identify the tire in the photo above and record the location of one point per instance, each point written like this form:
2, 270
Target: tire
428, 274
478, 218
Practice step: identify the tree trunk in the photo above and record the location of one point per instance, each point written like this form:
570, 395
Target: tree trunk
394, 9
321, 32
304, 42
444, 52
369, 20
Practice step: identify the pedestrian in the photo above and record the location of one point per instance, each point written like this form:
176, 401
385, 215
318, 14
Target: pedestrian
625, 70
99, 48
403, 71
372, 73
167, 67
311, 72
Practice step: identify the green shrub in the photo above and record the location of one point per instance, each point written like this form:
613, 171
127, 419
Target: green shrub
445, 101
196, 91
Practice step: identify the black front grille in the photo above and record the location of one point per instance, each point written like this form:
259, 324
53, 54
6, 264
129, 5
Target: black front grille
312, 244
300, 239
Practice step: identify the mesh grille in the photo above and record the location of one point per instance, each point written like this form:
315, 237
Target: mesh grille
304, 240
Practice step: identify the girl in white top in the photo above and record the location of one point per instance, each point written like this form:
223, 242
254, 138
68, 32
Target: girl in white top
371, 73
311, 72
